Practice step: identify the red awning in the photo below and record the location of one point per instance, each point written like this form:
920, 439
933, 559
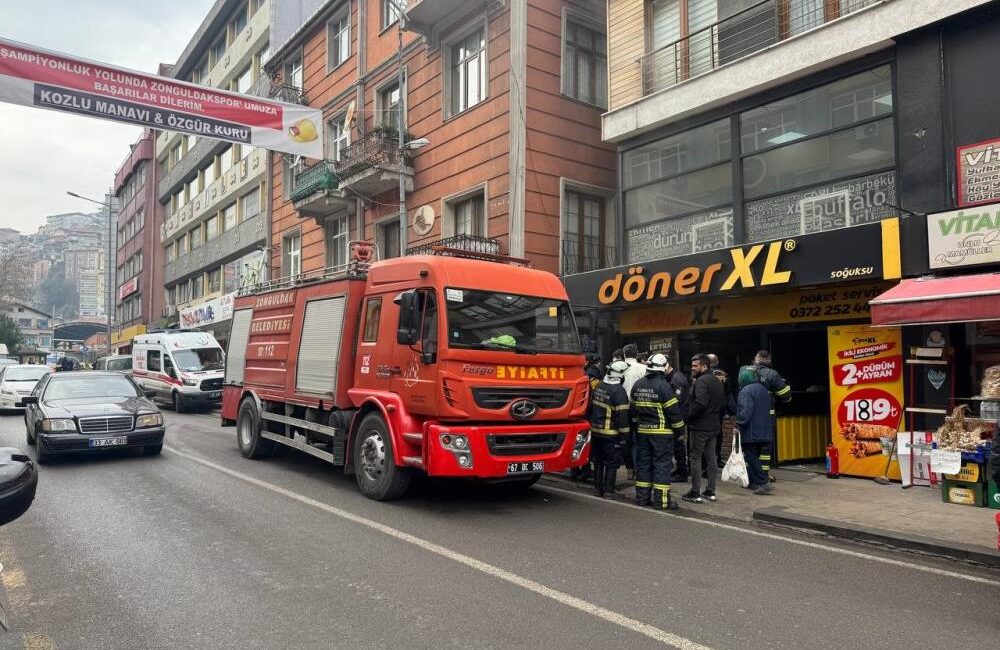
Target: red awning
958, 299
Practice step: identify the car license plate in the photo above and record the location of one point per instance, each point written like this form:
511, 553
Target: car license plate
525, 468
215, 394
108, 442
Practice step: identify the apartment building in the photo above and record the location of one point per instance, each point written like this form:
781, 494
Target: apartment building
138, 286
788, 153
500, 149
213, 194
85, 267
35, 325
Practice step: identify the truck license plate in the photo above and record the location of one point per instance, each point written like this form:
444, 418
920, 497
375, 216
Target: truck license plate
525, 468
108, 442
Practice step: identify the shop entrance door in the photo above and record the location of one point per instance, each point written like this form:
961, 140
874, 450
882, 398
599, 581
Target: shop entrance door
803, 426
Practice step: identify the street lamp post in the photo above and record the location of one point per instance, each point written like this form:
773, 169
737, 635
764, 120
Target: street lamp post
113, 207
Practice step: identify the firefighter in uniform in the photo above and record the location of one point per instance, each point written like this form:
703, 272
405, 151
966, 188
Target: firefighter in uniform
656, 412
780, 391
594, 375
609, 426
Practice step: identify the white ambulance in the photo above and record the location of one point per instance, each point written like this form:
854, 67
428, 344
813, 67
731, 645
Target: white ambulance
183, 368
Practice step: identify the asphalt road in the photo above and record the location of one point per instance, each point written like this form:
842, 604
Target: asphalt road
200, 548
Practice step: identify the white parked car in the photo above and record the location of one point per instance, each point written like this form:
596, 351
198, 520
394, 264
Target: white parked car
18, 381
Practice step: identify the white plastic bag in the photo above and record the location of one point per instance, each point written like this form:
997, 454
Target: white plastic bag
735, 470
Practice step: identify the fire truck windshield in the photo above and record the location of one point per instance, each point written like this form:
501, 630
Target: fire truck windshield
485, 320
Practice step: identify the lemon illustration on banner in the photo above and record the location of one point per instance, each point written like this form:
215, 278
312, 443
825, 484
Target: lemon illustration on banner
303, 131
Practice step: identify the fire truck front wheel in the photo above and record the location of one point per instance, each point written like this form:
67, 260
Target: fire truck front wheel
248, 426
375, 469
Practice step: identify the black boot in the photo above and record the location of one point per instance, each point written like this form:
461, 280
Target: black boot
642, 496
599, 480
610, 480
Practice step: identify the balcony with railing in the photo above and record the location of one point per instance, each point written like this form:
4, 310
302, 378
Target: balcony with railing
487, 246
316, 191
748, 31
374, 163
577, 258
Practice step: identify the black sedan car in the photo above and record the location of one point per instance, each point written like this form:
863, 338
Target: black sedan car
72, 412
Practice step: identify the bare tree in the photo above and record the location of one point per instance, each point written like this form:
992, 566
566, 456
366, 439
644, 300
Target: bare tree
15, 275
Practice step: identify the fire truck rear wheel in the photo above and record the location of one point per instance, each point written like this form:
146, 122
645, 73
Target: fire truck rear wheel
248, 432
374, 461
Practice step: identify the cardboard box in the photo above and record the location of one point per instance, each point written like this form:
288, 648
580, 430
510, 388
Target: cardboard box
993, 497
963, 494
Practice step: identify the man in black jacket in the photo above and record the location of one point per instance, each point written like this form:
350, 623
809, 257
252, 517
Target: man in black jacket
704, 426
682, 390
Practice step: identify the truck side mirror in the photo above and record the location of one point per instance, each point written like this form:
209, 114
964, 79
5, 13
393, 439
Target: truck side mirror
409, 318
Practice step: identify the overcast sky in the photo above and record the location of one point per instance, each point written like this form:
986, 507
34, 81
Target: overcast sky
44, 153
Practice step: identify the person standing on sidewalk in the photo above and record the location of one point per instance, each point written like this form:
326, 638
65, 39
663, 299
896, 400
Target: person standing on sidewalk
636, 371
682, 391
753, 423
779, 390
704, 425
609, 424
655, 410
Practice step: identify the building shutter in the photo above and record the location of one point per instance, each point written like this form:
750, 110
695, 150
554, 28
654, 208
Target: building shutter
319, 348
239, 336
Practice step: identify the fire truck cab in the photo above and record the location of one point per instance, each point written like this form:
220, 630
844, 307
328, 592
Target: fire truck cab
436, 363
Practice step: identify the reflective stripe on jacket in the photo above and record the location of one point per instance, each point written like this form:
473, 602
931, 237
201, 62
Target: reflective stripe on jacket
609, 410
655, 408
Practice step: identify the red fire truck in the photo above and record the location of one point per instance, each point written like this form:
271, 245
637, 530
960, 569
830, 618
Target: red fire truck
450, 364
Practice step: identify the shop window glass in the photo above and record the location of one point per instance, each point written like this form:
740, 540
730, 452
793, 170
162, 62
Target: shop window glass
680, 195
855, 99
698, 147
855, 151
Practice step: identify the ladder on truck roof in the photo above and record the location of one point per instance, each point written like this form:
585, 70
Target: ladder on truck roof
362, 254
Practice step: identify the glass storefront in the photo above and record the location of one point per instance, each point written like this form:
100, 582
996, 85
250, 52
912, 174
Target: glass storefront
814, 161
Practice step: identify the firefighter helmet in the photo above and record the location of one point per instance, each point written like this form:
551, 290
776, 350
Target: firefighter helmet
657, 363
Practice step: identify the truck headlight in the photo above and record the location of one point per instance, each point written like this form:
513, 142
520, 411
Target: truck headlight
190, 382
58, 424
149, 420
582, 438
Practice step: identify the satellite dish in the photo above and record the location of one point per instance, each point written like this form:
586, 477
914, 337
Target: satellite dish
423, 220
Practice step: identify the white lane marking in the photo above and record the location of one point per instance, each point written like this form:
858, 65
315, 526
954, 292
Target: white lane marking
789, 540
597, 611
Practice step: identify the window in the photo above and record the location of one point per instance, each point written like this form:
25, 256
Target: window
256, 5
192, 189
171, 296
340, 136
584, 228
208, 174
337, 236
338, 35
468, 216
238, 22
214, 281
286, 178
140, 220
389, 106
218, 51
243, 80
293, 71
229, 217
291, 248
388, 236
182, 245
673, 20
183, 293
153, 360
250, 206
584, 64
196, 237
211, 228
390, 12
468, 77
373, 313
225, 160
197, 286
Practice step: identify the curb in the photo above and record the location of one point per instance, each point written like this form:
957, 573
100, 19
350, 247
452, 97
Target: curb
928, 545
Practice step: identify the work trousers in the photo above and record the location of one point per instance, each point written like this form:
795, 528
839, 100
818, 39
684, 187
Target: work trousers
758, 457
702, 445
605, 451
653, 465
680, 454
628, 453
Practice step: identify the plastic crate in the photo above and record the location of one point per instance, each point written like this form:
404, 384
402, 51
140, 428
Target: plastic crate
980, 455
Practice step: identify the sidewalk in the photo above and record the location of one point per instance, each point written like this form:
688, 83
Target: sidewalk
860, 509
